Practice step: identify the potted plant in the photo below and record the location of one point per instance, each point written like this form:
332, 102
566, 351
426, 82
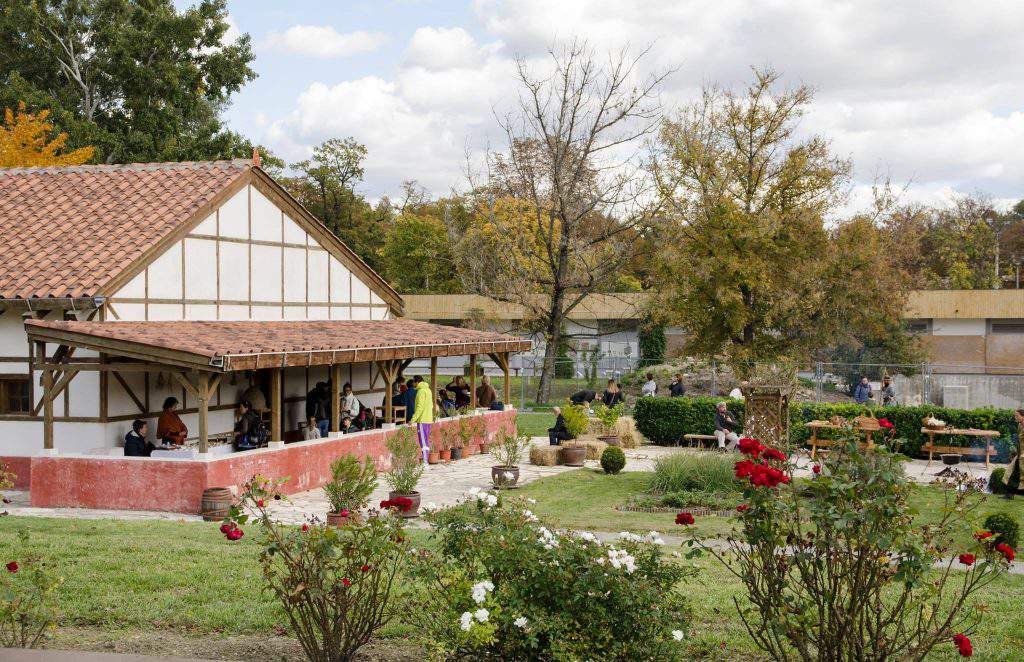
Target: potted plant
434, 454
468, 427
608, 417
445, 443
405, 474
485, 443
508, 452
576, 421
456, 444
350, 486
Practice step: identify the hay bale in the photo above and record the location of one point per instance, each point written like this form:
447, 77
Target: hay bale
545, 456
630, 437
594, 446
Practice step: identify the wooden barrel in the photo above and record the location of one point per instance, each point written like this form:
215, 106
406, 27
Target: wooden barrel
216, 503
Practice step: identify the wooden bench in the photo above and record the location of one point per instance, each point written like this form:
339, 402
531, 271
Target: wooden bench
988, 451
697, 440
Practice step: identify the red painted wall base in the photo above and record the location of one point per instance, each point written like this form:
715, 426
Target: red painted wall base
130, 483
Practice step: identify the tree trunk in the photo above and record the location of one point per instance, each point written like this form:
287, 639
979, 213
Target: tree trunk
553, 337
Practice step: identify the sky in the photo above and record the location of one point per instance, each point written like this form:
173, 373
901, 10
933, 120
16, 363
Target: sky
927, 93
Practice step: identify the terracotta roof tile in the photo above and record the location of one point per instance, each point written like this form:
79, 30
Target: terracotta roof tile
68, 230
218, 340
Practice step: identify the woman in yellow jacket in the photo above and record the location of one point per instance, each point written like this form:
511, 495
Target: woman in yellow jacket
423, 415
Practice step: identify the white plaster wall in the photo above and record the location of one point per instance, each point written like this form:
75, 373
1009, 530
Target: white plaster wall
165, 275
266, 218
13, 341
958, 327
266, 276
200, 269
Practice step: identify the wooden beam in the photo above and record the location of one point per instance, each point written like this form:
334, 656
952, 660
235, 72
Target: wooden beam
472, 381
186, 383
336, 397
47, 402
388, 370
201, 391
276, 413
57, 387
130, 392
433, 382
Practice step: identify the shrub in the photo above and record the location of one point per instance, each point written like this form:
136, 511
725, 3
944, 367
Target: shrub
576, 420
406, 468
836, 568
352, 482
997, 481
608, 416
499, 585
335, 584
1005, 527
27, 604
666, 420
702, 472
508, 448
613, 460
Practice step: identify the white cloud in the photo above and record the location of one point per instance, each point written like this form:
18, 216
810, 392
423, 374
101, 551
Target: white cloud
324, 41
438, 49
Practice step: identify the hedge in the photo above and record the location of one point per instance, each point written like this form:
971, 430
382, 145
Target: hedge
666, 420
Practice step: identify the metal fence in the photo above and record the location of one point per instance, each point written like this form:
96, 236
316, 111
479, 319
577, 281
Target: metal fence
951, 386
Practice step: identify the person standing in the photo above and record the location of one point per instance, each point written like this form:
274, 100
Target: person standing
863, 392
650, 387
725, 427
170, 430
677, 389
612, 394
423, 416
888, 392
318, 408
1013, 480
409, 399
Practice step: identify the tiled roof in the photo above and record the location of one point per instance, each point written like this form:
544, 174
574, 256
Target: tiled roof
68, 230
239, 344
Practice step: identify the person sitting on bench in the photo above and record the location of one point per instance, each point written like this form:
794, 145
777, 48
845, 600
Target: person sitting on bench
725, 427
559, 433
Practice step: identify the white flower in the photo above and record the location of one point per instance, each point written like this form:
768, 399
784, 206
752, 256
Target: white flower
473, 491
509, 475
588, 536
482, 615
677, 635
530, 517
430, 506
480, 591
466, 621
532, 502
520, 622
600, 560
631, 537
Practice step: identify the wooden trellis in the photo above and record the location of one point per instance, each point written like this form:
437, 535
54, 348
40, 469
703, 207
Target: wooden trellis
766, 413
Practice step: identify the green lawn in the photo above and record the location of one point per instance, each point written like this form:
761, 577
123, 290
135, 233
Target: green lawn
534, 424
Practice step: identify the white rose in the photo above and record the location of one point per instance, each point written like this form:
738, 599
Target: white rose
466, 621
520, 622
482, 615
677, 635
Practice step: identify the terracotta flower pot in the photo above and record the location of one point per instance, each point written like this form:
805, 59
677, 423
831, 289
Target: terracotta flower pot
574, 457
503, 476
611, 439
446, 455
485, 447
433, 457
414, 511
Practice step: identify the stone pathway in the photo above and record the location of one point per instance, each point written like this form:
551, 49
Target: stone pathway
442, 485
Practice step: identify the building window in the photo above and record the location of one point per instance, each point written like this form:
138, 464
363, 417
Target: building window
919, 327
1009, 326
14, 394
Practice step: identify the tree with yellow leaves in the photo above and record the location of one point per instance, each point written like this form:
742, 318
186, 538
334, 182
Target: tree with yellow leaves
26, 139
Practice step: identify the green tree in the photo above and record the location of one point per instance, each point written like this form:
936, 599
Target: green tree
750, 269
137, 79
417, 255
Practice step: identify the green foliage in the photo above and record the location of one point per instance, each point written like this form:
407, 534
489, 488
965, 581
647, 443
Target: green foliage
28, 606
352, 482
608, 416
613, 460
1005, 527
406, 468
500, 585
997, 481
417, 255
508, 449
836, 563
894, 346
337, 585
141, 81
666, 420
576, 419
564, 365
651, 342
704, 472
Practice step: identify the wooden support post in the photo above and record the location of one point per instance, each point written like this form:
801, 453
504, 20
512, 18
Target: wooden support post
472, 381
276, 415
388, 370
508, 378
433, 382
336, 398
47, 399
202, 386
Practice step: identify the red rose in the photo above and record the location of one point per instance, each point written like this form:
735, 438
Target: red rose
305, 527
816, 468
1006, 551
982, 535
385, 504
742, 507
884, 423
12, 566
365, 568
226, 526
234, 534
773, 454
751, 447
963, 644
685, 519
259, 502
346, 583
344, 512
744, 469
967, 559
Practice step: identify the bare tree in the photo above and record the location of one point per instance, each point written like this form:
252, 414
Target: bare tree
566, 199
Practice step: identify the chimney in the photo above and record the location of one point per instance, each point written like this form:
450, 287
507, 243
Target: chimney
256, 157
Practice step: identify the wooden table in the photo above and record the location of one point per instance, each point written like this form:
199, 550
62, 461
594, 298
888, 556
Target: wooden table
397, 411
825, 443
987, 451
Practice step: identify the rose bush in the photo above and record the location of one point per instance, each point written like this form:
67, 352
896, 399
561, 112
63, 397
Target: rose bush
27, 600
337, 585
835, 567
501, 585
